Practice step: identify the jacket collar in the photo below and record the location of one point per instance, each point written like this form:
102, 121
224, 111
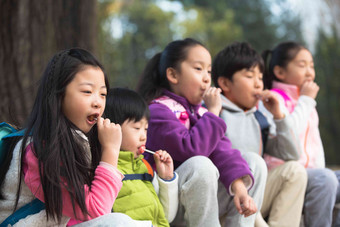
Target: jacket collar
291, 90
126, 158
232, 107
183, 101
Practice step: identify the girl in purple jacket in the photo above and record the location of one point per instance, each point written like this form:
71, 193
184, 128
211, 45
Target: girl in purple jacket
174, 83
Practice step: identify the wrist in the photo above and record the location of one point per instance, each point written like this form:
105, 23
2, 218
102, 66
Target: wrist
278, 116
215, 111
169, 178
110, 156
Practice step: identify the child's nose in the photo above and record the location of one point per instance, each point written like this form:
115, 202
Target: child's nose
97, 102
310, 72
206, 77
258, 82
143, 136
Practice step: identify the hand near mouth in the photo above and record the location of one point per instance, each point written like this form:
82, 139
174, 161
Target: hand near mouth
212, 100
164, 165
272, 104
110, 138
309, 88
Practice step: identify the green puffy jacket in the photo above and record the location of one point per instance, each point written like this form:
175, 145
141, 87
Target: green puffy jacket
138, 198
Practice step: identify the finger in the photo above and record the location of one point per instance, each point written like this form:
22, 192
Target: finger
161, 155
238, 205
217, 91
100, 122
245, 204
106, 122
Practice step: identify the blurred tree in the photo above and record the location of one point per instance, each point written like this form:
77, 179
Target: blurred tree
327, 67
31, 31
145, 30
259, 26
334, 9
213, 30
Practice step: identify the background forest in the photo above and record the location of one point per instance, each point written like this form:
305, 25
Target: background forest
124, 34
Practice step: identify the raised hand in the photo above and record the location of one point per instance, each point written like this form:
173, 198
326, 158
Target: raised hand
164, 165
272, 104
309, 88
212, 100
110, 138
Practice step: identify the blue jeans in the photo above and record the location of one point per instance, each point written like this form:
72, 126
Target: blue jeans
336, 217
320, 197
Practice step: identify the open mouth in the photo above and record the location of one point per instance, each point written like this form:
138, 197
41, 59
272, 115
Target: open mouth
257, 96
92, 118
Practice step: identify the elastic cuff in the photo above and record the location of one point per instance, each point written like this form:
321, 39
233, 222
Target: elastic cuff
112, 168
170, 179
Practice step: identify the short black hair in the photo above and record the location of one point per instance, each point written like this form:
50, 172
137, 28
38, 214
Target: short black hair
124, 104
233, 58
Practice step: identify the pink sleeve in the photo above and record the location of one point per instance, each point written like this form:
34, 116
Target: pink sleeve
99, 197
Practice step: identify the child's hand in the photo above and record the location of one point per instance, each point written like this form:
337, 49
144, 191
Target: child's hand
213, 101
309, 88
272, 104
243, 202
110, 138
164, 165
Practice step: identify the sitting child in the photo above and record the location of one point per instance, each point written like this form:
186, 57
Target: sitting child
237, 70
138, 196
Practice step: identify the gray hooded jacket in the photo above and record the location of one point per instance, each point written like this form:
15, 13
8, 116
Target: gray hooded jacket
244, 132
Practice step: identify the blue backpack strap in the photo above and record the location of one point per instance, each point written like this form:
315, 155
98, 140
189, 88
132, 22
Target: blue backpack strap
144, 176
15, 134
31, 208
264, 124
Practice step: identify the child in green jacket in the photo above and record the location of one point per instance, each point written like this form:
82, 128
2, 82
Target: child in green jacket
145, 195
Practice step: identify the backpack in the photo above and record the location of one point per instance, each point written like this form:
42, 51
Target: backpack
7, 135
264, 125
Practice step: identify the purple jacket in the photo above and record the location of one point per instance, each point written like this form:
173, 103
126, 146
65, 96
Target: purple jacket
205, 137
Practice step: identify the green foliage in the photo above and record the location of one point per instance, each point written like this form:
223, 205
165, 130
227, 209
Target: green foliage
328, 77
146, 28
214, 33
257, 23
145, 31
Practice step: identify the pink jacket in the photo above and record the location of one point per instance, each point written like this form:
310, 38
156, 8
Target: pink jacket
99, 196
305, 117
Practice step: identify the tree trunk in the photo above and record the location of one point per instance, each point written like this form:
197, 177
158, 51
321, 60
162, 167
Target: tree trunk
31, 31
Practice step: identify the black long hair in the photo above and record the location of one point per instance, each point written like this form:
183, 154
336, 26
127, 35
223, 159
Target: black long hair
124, 104
153, 79
281, 55
60, 154
233, 58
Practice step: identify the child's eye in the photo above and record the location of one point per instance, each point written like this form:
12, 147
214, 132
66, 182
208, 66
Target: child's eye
104, 94
87, 92
198, 68
302, 65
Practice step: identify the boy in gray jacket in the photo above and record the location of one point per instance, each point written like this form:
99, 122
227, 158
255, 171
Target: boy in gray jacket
237, 70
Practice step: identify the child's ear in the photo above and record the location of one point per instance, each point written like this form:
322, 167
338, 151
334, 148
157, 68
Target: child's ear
223, 83
279, 72
172, 75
